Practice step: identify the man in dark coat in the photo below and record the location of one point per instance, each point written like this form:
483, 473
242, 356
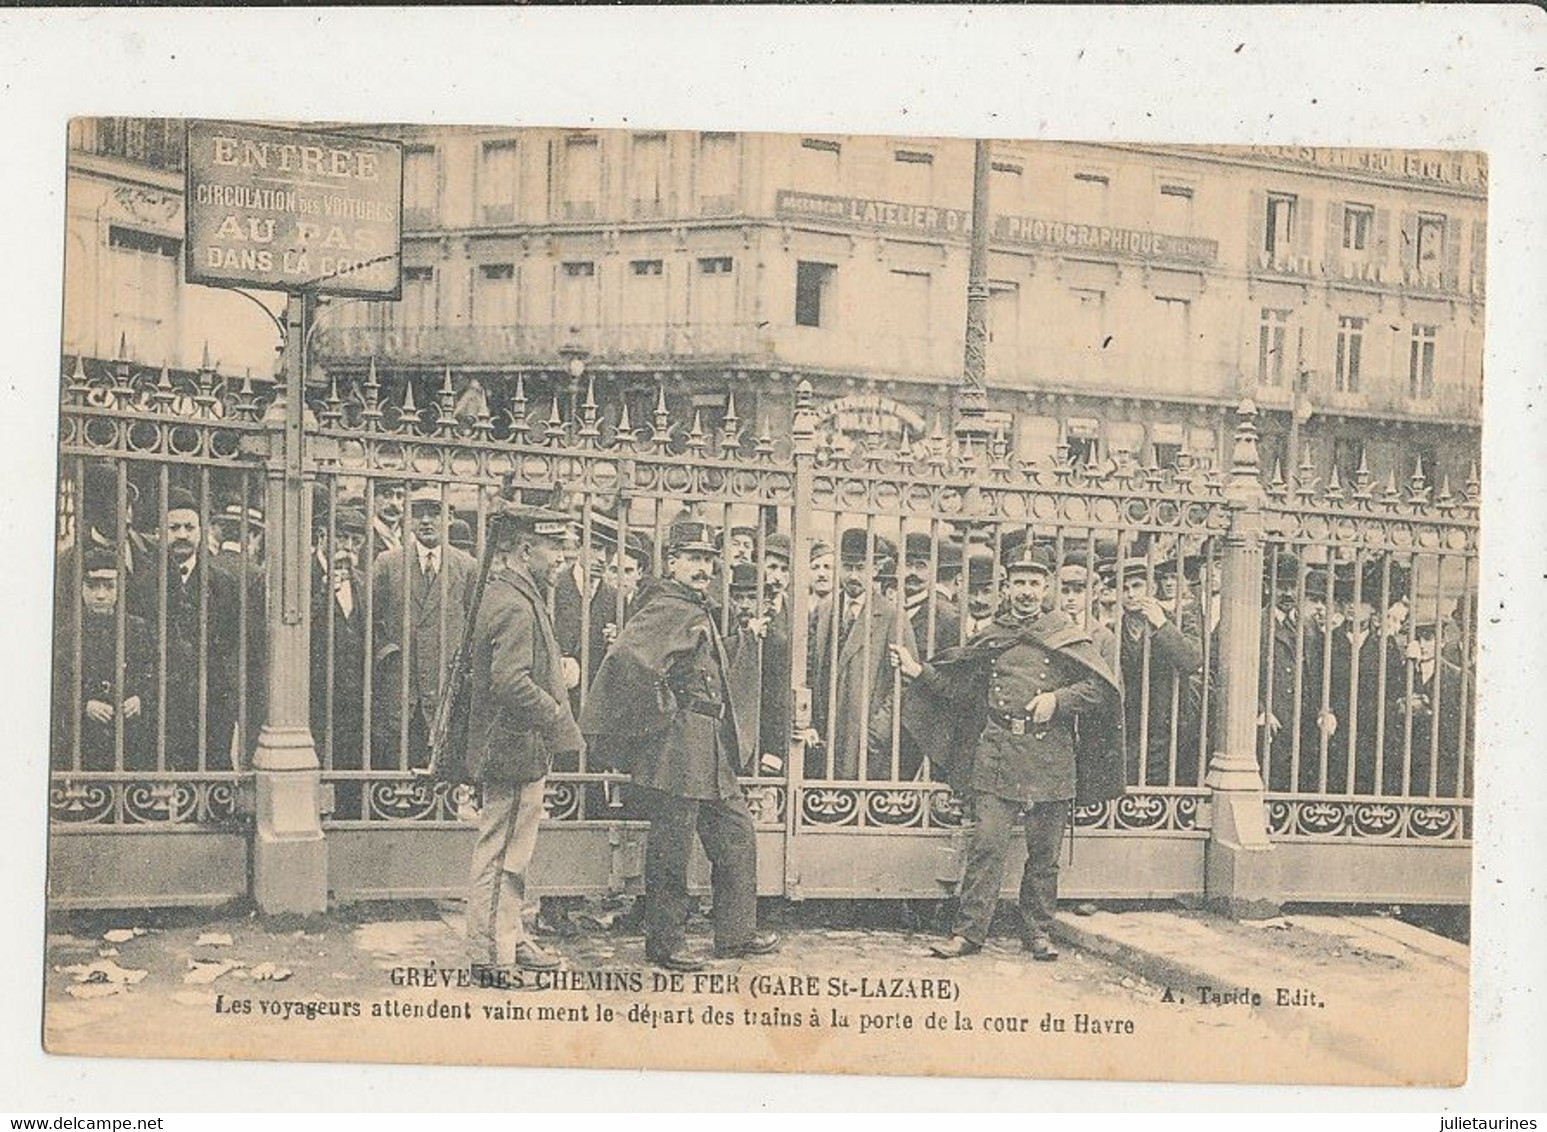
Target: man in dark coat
774, 722
1162, 671
1033, 718
1363, 683
1428, 724
204, 603
419, 598
519, 719
338, 649
848, 673
89, 686
666, 707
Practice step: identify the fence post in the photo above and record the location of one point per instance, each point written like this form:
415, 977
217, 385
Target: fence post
1240, 870
290, 864
803, 454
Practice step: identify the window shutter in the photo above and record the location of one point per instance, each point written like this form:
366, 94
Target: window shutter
1409, 258
1257, 225
1305, 213
1332, 256
1382, 250
1452, 253
1479, 255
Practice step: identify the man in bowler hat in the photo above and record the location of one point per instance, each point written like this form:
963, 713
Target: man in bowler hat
666, 707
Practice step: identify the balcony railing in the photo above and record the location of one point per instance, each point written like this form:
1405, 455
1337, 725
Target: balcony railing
634, 344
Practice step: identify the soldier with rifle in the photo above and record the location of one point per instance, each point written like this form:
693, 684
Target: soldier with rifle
504, 717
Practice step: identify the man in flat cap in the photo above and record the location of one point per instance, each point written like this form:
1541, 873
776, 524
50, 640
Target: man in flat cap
666, 707
848, 672
1027, 718
519, 721
419, 598
1428, 738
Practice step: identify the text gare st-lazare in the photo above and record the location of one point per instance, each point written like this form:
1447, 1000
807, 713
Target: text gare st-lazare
323, 233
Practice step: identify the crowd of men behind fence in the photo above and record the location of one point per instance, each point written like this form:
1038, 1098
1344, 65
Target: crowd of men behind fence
160, 664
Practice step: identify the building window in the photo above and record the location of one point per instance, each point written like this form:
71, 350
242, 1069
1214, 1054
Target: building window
716, 265
813, 281
580, 269
1350, 346
1420, 362
1279, 233
1167, 455
421, 187
646, 267
1175, 315
133, 240
497, 171
1004, 327
648, 175
1431, 237
1272, 346
582, 177
817, 164
1083, 450
905, 314
1175, 212
1358, 224
912, 173
1004, 185
1090, 319
1090, 197
418, 305
494, 294
1347, 456
718, 173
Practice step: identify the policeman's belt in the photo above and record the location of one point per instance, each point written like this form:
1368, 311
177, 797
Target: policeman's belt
1019, 724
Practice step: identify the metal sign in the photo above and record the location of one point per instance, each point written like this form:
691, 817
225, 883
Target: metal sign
294, 210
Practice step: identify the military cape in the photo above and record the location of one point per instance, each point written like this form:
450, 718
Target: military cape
629, 704
946, 714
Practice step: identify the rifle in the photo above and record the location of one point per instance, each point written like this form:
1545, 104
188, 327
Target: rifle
448, 732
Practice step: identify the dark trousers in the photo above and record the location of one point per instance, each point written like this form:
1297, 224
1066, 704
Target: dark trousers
725, 828
1045, 822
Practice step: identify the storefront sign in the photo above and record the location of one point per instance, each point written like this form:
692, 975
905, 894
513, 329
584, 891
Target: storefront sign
1467, 170
927, 220
862, 413
290, 210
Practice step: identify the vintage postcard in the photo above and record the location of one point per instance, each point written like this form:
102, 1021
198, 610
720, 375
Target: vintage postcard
797, 602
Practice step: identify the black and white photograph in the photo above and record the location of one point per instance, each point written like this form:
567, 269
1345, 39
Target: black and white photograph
786, 601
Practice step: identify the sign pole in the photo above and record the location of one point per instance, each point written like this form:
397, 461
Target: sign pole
290, 874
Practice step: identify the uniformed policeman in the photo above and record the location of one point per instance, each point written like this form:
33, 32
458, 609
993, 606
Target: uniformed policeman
1017, 693
667, 706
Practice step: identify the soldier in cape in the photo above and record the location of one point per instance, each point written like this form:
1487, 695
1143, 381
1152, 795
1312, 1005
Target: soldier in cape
1026, 716
668, 708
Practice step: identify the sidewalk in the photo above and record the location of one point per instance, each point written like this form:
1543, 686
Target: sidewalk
1308, 998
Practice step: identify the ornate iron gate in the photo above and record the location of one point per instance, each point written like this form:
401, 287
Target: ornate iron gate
846, 807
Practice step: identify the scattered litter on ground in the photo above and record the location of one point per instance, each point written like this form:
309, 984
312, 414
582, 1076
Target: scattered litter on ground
107, 952
102, 971
207, 970
94, 990
213, 939
270, 973
122, 935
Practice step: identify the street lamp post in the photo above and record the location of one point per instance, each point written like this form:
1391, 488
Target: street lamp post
971, 417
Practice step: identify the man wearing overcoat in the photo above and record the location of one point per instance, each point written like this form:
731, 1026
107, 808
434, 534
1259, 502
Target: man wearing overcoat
519, 719
1028, 717
419, 593
665, 706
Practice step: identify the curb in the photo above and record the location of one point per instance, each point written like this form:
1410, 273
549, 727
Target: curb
1174, 973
